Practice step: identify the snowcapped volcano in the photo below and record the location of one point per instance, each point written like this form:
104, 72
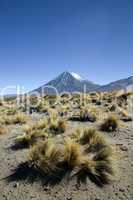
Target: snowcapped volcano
73, 82
69, 82
77, 76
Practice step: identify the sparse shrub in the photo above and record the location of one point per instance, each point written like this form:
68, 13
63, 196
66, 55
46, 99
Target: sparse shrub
91, 136
87, 136
76, 135
85, 115
20, 118
28, 128
72, 154
58, 127
53, 115
101, 171
124, 113
98, 158
11, 111
62, 126
45, 157
96, 163
8, 120
124, 116
110, 124
30, 139
22, 141
42, 123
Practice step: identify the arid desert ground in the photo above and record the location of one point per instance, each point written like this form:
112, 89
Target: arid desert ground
70, 150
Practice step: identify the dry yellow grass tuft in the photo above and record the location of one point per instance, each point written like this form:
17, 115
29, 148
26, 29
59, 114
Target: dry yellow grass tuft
87, 115
72, 154
58, 126
42, 123
28, 128
31, 138
23, 140
93, 159
19, 118
93, 139
45, 157
110, 124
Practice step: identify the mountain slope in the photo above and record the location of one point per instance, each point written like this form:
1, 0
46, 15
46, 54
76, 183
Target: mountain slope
68, 82
124, 84
72, 82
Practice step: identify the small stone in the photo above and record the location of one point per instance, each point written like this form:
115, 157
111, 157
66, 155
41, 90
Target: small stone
32, 196
121, 190
69, 198
46, 188
124, 148
15, 185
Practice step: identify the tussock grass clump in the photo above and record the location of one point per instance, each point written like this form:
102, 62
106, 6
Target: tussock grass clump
8, 120
99, 171
58, 127
124, 113
72, 154
42, 123
45, 157
124, 116
110, 124
29, 128
3, 130
87, 136
19, 118
92, 137
76, 135
23, 141
11, 111
30, 139
86, 115
98, 159
94, 159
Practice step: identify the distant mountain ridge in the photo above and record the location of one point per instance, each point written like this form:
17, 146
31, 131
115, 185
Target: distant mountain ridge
122, 84
68, 82
72, 82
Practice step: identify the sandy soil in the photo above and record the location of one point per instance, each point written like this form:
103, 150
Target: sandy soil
24, 185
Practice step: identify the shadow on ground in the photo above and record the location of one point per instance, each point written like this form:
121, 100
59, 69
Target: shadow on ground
27, 173
19, 146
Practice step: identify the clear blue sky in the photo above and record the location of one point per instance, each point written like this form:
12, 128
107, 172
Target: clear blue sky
39, 39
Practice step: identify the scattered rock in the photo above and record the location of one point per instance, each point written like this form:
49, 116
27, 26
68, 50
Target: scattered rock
15, 185
123, 148
121, 190
69, 198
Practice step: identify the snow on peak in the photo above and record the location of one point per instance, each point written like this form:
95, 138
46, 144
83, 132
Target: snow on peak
78, 77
